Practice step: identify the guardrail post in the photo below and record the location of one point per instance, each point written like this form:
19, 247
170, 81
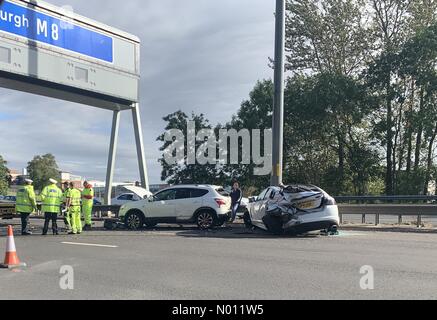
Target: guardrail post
377, 219
419, 221
363, 219
341, 218
400, 220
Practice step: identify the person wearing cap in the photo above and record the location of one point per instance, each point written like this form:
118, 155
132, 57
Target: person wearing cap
73, 207
25, 205
67, 218
51, 197
87, 205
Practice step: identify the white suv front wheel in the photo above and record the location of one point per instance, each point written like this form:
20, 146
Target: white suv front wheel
134, 220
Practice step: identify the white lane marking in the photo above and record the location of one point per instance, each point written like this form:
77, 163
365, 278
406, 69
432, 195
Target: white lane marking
89, 245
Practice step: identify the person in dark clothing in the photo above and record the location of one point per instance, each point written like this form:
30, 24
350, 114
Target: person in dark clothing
236, 197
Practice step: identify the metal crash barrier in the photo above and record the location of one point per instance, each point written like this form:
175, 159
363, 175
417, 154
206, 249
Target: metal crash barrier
104, 211
399, 206
7, 210
100, 212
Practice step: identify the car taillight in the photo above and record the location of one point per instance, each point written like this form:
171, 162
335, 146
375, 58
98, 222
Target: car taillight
329, 201
220, 202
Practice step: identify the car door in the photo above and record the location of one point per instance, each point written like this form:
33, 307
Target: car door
264, 204
162, 205
258, 207
186, 204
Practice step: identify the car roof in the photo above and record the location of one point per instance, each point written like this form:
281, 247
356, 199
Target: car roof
193, 186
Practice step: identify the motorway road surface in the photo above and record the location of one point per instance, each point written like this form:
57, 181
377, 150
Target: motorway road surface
184, 263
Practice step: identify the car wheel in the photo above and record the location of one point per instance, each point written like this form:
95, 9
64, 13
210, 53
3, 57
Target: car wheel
247, 220
134, 220
206, 220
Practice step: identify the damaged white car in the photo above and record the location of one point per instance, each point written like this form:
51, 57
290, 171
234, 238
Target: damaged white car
294, 209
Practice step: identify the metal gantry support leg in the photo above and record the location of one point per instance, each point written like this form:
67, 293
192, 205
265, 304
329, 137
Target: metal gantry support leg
278, 108
140, 146
111, 157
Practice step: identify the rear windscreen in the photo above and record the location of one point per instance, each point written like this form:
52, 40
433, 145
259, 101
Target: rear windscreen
222, 192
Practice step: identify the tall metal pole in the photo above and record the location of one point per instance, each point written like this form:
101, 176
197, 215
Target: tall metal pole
111, 157
140, 146
278, 107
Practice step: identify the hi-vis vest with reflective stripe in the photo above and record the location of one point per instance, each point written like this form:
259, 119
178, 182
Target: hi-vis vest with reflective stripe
51, 199
66, 195
26, 202
75, 196
88, 192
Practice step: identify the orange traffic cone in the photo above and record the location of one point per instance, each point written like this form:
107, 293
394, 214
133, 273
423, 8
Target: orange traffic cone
11, 257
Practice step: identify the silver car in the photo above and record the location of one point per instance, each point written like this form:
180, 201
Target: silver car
294, 209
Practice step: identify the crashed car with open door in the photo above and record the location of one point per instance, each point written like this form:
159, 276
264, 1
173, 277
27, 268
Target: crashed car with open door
294, 209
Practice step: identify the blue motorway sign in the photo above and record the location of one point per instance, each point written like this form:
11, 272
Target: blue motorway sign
61, 33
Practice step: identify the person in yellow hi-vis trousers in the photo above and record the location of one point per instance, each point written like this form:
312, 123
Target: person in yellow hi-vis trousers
73, 207
25, 205
51, 197
87, 205
67, 219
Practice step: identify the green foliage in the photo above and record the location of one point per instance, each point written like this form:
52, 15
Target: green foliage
4, 177
255, 113
186, 173
360, 100
41, 169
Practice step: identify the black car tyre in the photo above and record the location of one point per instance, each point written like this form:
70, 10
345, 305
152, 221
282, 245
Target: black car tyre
206, 220
134, 220
247, 220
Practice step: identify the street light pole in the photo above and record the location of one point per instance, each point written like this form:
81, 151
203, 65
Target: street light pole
278, 106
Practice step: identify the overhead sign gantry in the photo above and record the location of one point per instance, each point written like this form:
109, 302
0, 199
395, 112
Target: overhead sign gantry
50, 51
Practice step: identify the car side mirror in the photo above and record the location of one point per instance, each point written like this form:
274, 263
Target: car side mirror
252, 199
151, 199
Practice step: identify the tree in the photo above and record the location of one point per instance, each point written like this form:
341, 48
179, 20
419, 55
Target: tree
4, 176
324, 121
328, 36
390, 27
179, 173
41, 169
254, 113
418, 61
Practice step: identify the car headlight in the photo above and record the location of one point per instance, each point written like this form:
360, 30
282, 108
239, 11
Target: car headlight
122, 211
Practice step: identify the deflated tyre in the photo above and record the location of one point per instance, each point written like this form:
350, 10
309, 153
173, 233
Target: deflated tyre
274, 224
247, 220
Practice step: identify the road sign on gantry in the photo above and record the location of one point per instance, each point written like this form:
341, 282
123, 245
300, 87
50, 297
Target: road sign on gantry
53, 52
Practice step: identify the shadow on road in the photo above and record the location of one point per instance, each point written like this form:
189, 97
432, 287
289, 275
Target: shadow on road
238, 231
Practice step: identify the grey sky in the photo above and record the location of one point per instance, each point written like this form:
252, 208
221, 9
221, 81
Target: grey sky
197, 55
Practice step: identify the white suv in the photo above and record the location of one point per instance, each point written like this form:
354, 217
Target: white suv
205, 205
